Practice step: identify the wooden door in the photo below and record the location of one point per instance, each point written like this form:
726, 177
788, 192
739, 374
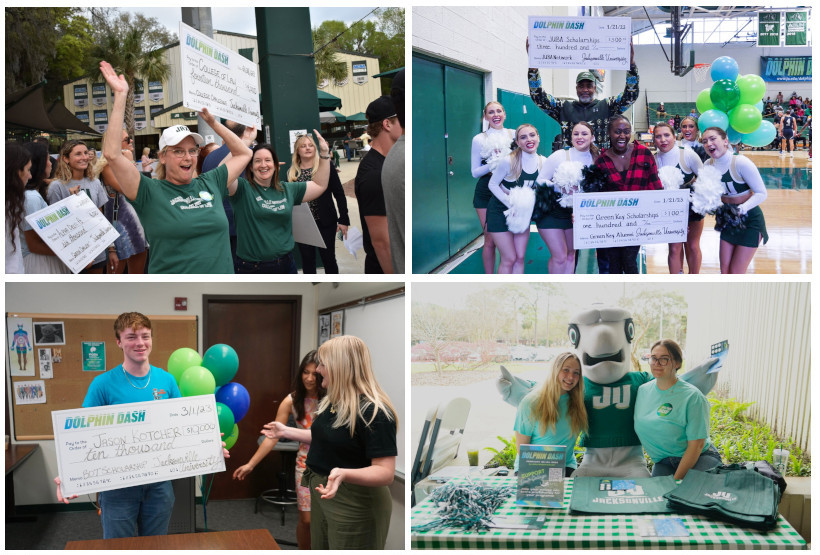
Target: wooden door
265, 332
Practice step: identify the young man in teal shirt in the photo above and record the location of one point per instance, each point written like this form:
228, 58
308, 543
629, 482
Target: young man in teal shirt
143, 510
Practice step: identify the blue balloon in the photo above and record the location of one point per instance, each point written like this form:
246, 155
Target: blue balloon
762, 136
724, 67
759, 106
713, 118
236, 397
734, 136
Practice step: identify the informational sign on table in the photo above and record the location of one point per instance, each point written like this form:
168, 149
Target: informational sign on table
219, 79
541, 476
75, 229
630, 218
580, 42
118, 446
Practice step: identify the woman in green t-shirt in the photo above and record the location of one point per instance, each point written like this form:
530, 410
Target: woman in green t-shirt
182, 215
263, 208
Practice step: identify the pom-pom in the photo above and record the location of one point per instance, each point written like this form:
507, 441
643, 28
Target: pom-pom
595, 179
567, 180
545, 200
671, 177
706, 191
729, 216
519, 214
494, 149
467, 506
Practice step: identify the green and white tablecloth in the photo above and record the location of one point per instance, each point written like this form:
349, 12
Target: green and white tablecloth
564, 531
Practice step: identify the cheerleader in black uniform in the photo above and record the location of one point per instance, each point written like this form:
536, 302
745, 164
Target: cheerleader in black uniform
487, 149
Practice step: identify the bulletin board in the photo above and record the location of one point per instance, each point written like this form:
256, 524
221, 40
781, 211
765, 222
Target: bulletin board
67, 389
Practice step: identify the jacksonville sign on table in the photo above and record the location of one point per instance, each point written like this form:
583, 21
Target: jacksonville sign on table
118, 446
75, 229
580, 42
219, 79
630, 218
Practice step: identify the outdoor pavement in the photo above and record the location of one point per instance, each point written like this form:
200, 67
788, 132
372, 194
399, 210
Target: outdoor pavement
347, 263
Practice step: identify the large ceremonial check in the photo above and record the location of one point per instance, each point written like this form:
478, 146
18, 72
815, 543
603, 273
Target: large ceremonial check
118, 446
580, 42
219, 79
75, 229
629, 218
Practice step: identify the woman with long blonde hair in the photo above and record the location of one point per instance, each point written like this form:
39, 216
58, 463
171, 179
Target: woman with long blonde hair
75, 173
554, 414
304, 164
519, 169
352, 444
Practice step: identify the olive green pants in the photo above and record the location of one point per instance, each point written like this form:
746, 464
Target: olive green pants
356, 518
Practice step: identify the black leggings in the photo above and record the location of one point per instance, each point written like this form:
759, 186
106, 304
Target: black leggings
328, 255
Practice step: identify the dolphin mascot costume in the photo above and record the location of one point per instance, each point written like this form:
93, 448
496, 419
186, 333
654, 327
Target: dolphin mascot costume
602, 338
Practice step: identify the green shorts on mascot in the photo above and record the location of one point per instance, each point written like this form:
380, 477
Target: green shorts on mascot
602, 338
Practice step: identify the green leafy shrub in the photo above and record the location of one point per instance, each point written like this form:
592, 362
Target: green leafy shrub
504, 457
739, 438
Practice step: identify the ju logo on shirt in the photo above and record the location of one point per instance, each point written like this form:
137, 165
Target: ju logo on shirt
619, 396
664, 409
160, 394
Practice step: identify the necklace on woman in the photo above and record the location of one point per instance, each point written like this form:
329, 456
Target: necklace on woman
132, 384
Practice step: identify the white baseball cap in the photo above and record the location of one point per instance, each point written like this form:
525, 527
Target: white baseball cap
175, 135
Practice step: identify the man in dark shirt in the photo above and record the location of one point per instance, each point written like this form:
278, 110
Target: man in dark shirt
384, 129
586, 108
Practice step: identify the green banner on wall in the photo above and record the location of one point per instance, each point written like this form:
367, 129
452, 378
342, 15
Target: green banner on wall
768, 29
796, 23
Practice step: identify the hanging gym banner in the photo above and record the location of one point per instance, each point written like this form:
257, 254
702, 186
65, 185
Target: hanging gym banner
768, 29
796, 23
785, 68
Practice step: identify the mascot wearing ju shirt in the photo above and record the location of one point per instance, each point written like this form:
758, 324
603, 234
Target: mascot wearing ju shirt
602, 338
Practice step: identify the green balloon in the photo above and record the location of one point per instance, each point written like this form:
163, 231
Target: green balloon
704, 103
745, 118
226, 419
182, 359
230, 440
724, 94
222, 361
752, 88
196, 381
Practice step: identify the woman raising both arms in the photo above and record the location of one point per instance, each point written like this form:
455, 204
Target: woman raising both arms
182, 215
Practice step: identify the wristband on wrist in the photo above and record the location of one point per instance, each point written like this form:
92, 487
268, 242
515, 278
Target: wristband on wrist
324, 157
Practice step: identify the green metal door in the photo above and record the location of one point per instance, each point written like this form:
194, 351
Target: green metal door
447, 102
464, 92
429, 190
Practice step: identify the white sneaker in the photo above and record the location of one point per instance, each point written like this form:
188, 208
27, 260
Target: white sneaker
782, 153
791, 154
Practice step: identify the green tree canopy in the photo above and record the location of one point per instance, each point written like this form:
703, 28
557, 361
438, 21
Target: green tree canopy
51, 44
382, 38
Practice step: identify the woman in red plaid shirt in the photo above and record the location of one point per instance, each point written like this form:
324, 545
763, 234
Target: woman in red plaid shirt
631, 167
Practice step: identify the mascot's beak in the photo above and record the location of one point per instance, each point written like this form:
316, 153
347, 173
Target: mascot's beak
592, 361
